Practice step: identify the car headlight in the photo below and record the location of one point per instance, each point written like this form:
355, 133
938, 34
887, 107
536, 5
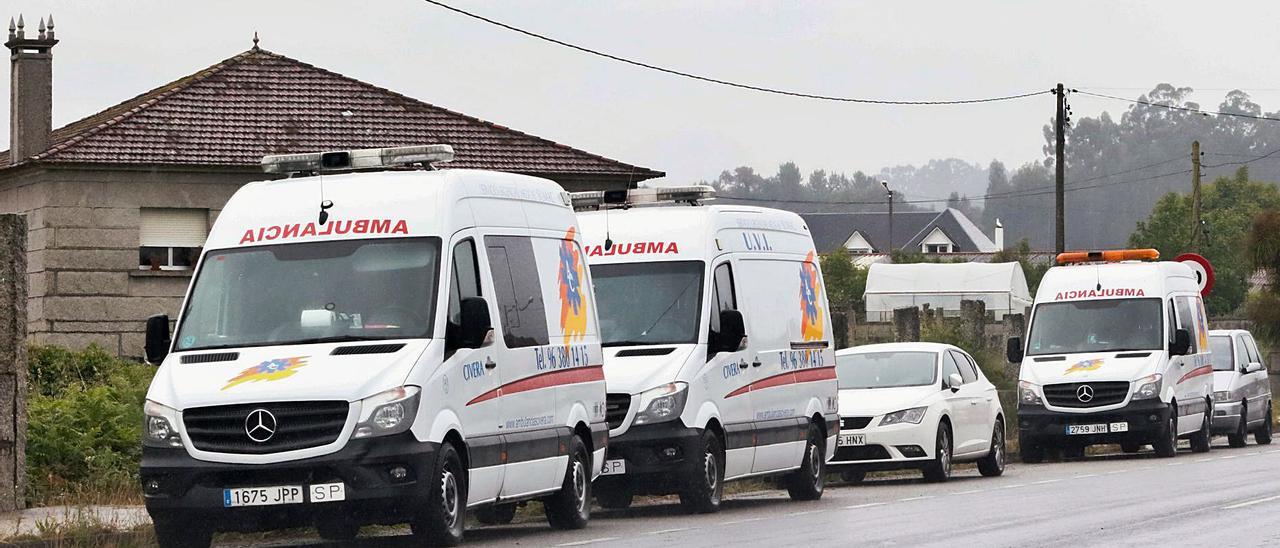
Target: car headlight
913, 416
1027, 393
1148, 387
662, 404
1221, 397
387, 413
158, 426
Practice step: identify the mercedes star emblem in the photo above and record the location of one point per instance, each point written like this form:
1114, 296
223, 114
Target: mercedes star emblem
260, 425
1084, 394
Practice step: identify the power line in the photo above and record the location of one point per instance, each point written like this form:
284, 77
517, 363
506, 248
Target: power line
753, 87
1244, 162
1174, 107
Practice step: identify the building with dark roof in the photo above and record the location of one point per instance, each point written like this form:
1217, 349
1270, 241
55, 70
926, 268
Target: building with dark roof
946, 231
118, 203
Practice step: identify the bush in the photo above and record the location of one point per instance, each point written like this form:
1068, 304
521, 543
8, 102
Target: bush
84, 416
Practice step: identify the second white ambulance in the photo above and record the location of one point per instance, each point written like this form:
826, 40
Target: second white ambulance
1117, 352
718, 350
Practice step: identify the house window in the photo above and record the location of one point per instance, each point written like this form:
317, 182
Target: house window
859, 250
937, 248
171, 239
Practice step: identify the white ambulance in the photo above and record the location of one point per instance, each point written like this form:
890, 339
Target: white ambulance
1117, 351
335, 363
718, 350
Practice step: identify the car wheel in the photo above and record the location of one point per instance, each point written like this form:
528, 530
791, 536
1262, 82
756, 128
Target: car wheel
704, 481
570, 507
1263, 434
337, 528
1241, 436
180, 533
1073, 452
993, 464
1201, 440
615, 499
939, 470
1166, 443
442, 520
853, 476
1130, 447
496, 514
808, 482
1029, 451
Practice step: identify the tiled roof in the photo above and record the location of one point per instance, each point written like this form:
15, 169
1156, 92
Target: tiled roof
832, 230
260, 102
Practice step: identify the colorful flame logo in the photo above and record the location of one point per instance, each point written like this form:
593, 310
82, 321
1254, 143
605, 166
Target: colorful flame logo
270, 370
810, 311
1086, 365
573, 306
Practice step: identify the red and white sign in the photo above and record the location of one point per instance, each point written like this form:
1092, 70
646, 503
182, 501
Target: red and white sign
633, 248
1202, 268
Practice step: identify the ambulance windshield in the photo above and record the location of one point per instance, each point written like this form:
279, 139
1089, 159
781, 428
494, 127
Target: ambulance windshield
649, 303
333, 291
1108, 325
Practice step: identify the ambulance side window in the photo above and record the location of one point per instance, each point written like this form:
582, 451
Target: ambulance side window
722, 298
464, 282
1173, 321
1187, 320
518, 291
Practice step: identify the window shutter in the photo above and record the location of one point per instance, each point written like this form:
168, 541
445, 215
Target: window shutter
173, 227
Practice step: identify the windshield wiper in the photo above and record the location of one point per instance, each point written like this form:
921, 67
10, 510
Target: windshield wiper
336, 338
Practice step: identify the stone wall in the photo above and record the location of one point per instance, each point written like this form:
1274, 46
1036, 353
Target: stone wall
13, 361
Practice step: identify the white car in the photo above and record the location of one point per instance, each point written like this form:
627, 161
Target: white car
916, 405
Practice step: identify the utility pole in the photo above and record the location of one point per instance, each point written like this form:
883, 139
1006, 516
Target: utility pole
1060, 167
1196, 235
889, 193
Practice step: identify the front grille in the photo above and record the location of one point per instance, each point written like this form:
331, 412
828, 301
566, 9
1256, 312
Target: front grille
299, 425
210, 358
615, 409
1104, 393
854, 423
366, 349
861, 452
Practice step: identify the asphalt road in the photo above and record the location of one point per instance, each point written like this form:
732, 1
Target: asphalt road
1228, 497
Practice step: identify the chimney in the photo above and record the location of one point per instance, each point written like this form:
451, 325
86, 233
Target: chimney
999, 235
30, 89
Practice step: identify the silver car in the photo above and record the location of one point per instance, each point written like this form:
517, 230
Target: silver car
1241, 389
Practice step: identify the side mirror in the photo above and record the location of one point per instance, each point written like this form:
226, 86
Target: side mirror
158, 340
954, 381
1252, 367
733, 331
476, 324
1013, 350
1181, 343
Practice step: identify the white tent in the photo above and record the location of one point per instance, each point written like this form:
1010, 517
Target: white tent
1002, 286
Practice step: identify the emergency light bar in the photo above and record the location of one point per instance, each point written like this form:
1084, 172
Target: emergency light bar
598, 199
1108, 256
346, 160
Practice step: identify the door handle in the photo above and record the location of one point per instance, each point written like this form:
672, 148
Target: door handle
975, 402
756, 363
489, 363
742, 364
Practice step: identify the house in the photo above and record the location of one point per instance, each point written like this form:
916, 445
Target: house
118, 204
929, 232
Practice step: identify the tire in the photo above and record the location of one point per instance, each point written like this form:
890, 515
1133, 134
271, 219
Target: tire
704, 480
337, 528
1030, 452
570, 507
496, 514
853, 476
1240, 437
808, 482
1130, 447
939, 470
1073, 452
1263, 434
1166, 442
178, 533
441, 521
992, 465
616, 499
1201, 441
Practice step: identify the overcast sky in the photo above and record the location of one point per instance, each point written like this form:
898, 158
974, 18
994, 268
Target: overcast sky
111, 51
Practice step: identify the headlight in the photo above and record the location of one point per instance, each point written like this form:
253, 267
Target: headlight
1221, 397
662, 404
158, 426
913, 416
1027, 394
1148, 387
387, 413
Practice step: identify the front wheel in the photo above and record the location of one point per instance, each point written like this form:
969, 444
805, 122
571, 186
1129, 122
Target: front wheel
1130, 447
172, 533
1030, 452
992, 465
1241, 436
704, 482
808, 482
441, 520
615, 499
496, 514
939, 469
1201, 441
1263, 434
853, 476
570, 507
1166, 443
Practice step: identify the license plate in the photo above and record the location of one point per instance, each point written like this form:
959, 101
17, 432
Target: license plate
1075, 429
847, 440
1119, 427
614, 467
262, 496
327, 492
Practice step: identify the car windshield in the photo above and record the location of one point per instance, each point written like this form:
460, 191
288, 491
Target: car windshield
1221, 353
1096, 326
649, 303
312, 292
886, 369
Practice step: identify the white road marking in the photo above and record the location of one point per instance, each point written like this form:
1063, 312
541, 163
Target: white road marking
1228, 457
867, 505
586, 542
1042, 482
748, 520
1114, 472
1014, 486
916, 498
1203, 460
1177, 463
804, 513
1144, 468
1250, 503
1082, 476
969, 492
665, 531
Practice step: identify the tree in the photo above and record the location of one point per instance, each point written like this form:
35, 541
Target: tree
1264, 255
1021, 254
845, 282
1230, 205
997, 183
